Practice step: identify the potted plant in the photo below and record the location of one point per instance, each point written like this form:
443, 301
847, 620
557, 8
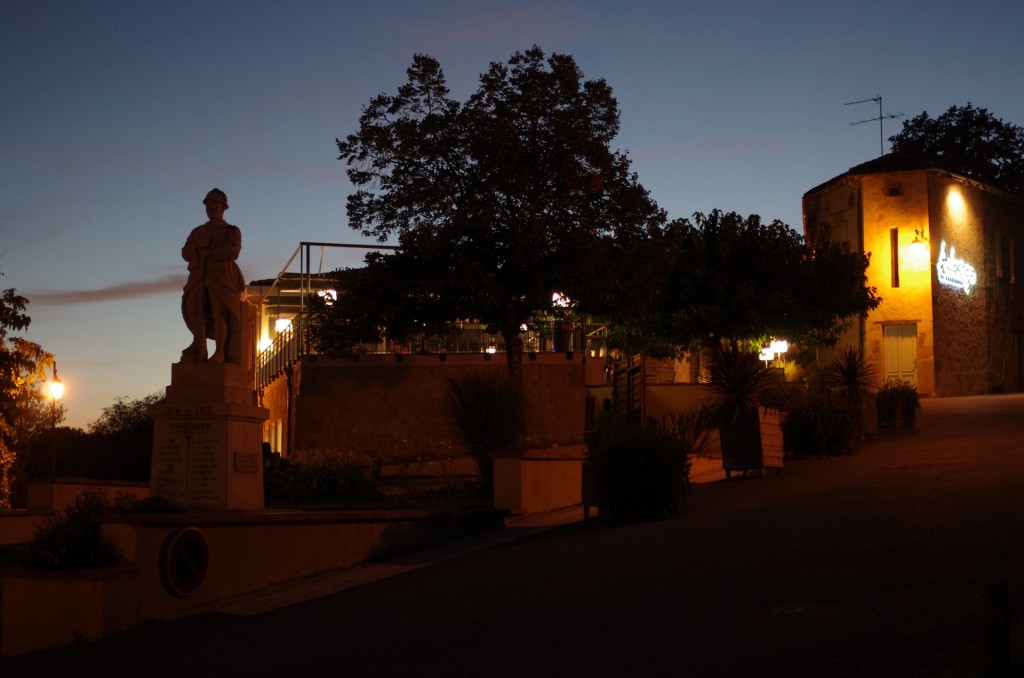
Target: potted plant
898, 403
850, 377
635, 473
735, 379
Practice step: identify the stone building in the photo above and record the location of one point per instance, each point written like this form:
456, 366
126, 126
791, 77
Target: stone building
945, 259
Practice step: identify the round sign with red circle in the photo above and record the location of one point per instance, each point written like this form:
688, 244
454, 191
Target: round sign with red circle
186, 561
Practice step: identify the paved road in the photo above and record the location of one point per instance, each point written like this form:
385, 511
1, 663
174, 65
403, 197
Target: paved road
868, 565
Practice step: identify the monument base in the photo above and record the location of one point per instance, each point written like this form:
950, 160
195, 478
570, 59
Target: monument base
208, 439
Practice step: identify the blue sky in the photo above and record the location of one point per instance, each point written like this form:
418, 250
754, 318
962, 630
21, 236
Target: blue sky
118, 117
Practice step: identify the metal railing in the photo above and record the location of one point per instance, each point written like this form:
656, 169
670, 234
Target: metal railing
292, 343
545, 334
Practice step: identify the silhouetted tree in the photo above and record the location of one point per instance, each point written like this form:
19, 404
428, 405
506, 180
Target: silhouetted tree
125, 415
970, 141
23, 407
736, 278
386, 293
119, 442
496, 202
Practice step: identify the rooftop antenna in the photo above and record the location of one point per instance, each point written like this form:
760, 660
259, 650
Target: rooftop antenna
879, 119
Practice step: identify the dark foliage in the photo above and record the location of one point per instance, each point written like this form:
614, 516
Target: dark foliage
496, 202
24, 410
736, 380
849, 374
639, 473
898, 404
72, 539
740, 279
822, 427
118, 445
969, 141
323, 480
489, 412
689, 428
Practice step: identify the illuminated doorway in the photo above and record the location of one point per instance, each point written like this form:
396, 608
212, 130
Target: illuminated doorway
899, 343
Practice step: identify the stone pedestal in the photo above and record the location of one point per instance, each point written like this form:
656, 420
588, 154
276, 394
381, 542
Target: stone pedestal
208, 439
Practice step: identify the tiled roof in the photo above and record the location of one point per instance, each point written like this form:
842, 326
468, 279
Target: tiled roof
893, 162
890, 162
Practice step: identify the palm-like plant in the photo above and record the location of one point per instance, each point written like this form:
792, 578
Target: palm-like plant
850, 375
736, 378
490, 414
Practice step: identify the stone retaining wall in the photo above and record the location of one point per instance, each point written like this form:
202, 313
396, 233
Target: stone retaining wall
245, 552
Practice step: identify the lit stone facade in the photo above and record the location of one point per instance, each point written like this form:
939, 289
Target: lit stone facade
946, 260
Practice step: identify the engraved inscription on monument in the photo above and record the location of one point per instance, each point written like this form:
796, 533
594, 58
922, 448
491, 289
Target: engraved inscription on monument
191, 462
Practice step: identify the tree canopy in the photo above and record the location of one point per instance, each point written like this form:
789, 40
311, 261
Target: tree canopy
126, 416
498, 201
738, 278
970, 141
22, 403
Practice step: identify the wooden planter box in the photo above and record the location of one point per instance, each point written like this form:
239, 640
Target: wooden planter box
741, 446
772, 447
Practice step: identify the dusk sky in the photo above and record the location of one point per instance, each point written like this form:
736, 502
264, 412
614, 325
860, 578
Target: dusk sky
118, 117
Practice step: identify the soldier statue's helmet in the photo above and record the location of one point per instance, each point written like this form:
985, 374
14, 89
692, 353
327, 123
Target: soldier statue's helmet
216, 195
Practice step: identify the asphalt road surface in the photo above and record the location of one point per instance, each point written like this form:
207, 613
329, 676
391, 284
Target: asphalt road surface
876, 564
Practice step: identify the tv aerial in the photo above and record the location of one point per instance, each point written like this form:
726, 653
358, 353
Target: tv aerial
881, 117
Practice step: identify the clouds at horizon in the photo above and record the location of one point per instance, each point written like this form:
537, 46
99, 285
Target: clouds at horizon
127, 290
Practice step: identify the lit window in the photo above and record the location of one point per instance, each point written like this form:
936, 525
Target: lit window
894, 247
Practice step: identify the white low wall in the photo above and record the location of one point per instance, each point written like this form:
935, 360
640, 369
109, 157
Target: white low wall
246, 552
17, 527
539, 480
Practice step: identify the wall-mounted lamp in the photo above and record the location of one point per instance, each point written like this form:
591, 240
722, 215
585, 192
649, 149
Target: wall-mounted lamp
919, 252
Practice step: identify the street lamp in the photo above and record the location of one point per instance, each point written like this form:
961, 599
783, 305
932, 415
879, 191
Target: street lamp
56, 392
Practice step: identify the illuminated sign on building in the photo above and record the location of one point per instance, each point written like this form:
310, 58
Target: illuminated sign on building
955, 272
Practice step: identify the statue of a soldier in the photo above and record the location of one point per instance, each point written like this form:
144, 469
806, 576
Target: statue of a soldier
211, 302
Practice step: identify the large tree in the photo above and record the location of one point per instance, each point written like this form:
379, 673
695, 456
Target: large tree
22, 374
498, 201
970, 141
739, 279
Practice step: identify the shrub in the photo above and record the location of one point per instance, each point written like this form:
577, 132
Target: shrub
154, 505
736, 379
784, 396
639, 473
823, 427
319, 478
489, 412
71, 540
898, 403
689, 428
7, 459
849, 375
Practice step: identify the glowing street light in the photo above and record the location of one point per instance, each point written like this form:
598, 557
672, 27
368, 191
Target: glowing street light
774, 350
56, 393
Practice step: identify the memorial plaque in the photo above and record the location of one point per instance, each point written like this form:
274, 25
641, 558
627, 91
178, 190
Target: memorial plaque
247, 462
190, 462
